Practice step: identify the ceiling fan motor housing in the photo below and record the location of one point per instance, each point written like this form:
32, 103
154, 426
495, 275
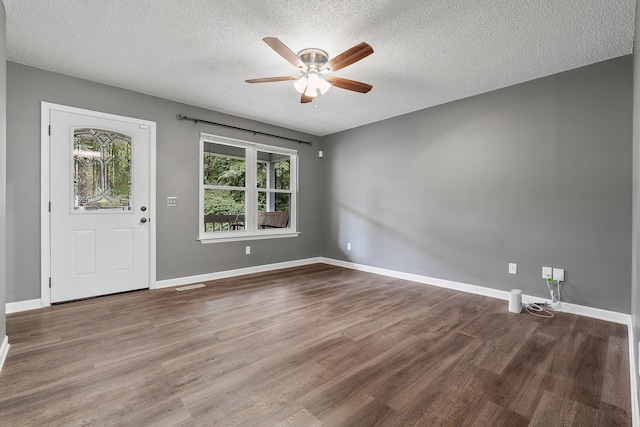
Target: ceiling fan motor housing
314, 59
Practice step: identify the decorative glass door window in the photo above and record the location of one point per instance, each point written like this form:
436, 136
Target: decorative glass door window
101, 170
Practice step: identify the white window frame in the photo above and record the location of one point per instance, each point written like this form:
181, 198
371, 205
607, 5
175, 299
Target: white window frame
251, 231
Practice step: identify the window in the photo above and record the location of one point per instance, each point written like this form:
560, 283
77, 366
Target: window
101, 170
247, 190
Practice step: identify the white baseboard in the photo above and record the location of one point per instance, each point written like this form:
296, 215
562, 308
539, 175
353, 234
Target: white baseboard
441, 283
597, 313
633, 374
232, 273
15, 307
4, 350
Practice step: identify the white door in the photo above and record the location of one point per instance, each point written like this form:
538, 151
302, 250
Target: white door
100, 213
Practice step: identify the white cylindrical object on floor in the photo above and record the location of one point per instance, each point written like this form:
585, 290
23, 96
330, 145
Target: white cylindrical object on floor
515, 301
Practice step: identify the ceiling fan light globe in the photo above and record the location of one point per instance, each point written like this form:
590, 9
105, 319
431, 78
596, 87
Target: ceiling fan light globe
324, 86
300, 84
313, 80
311, 91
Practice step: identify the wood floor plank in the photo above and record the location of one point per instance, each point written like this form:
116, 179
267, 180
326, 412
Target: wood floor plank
593, 327
358, 353
504, 343
336, 392
425, 373
488, 413
556, 410
450, 315
317, 345
615, 386
609, 415
577, 372
522, 383
301, 417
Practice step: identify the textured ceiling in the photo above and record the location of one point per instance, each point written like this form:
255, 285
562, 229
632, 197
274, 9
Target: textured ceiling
426, 52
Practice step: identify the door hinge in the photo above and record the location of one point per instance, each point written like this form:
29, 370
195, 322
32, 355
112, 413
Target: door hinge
49, 130
49, 206
49, 282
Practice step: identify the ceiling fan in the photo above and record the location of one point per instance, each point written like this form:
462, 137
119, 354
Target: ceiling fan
313, 64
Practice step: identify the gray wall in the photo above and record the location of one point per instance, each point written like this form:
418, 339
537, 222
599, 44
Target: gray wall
178, 252
539, 174
635, 282
3, 181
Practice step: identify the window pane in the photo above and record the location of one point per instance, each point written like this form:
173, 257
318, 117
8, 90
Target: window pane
102, 170
262, 171
273, 171
273, 209
224, 165
224, 210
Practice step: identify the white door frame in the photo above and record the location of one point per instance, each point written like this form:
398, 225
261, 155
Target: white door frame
45, 191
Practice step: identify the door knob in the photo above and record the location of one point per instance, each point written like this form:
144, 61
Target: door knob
143, 220
143, 208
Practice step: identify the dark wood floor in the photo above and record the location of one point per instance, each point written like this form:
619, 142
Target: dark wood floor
311, 346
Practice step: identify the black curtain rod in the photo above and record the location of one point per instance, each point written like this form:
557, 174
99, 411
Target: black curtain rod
255, 132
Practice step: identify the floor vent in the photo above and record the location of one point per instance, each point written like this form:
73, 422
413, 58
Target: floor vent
186, 288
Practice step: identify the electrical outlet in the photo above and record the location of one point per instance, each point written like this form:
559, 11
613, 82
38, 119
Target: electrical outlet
513, 268
558, 274
247, 250
172, 201
348, 246
547, 272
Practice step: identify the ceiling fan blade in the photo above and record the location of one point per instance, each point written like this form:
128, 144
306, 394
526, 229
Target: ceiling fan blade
304, 99
282, 50
271, 79
349, 84
350, 56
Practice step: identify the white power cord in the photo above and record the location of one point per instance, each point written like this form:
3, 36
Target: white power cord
539, 309
542, 309
555, 297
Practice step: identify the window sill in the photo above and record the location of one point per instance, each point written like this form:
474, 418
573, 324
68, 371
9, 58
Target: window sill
244, 237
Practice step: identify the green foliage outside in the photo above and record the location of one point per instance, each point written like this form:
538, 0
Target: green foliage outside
102, 169
223, 202
220, 170
231, 172
282, 182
